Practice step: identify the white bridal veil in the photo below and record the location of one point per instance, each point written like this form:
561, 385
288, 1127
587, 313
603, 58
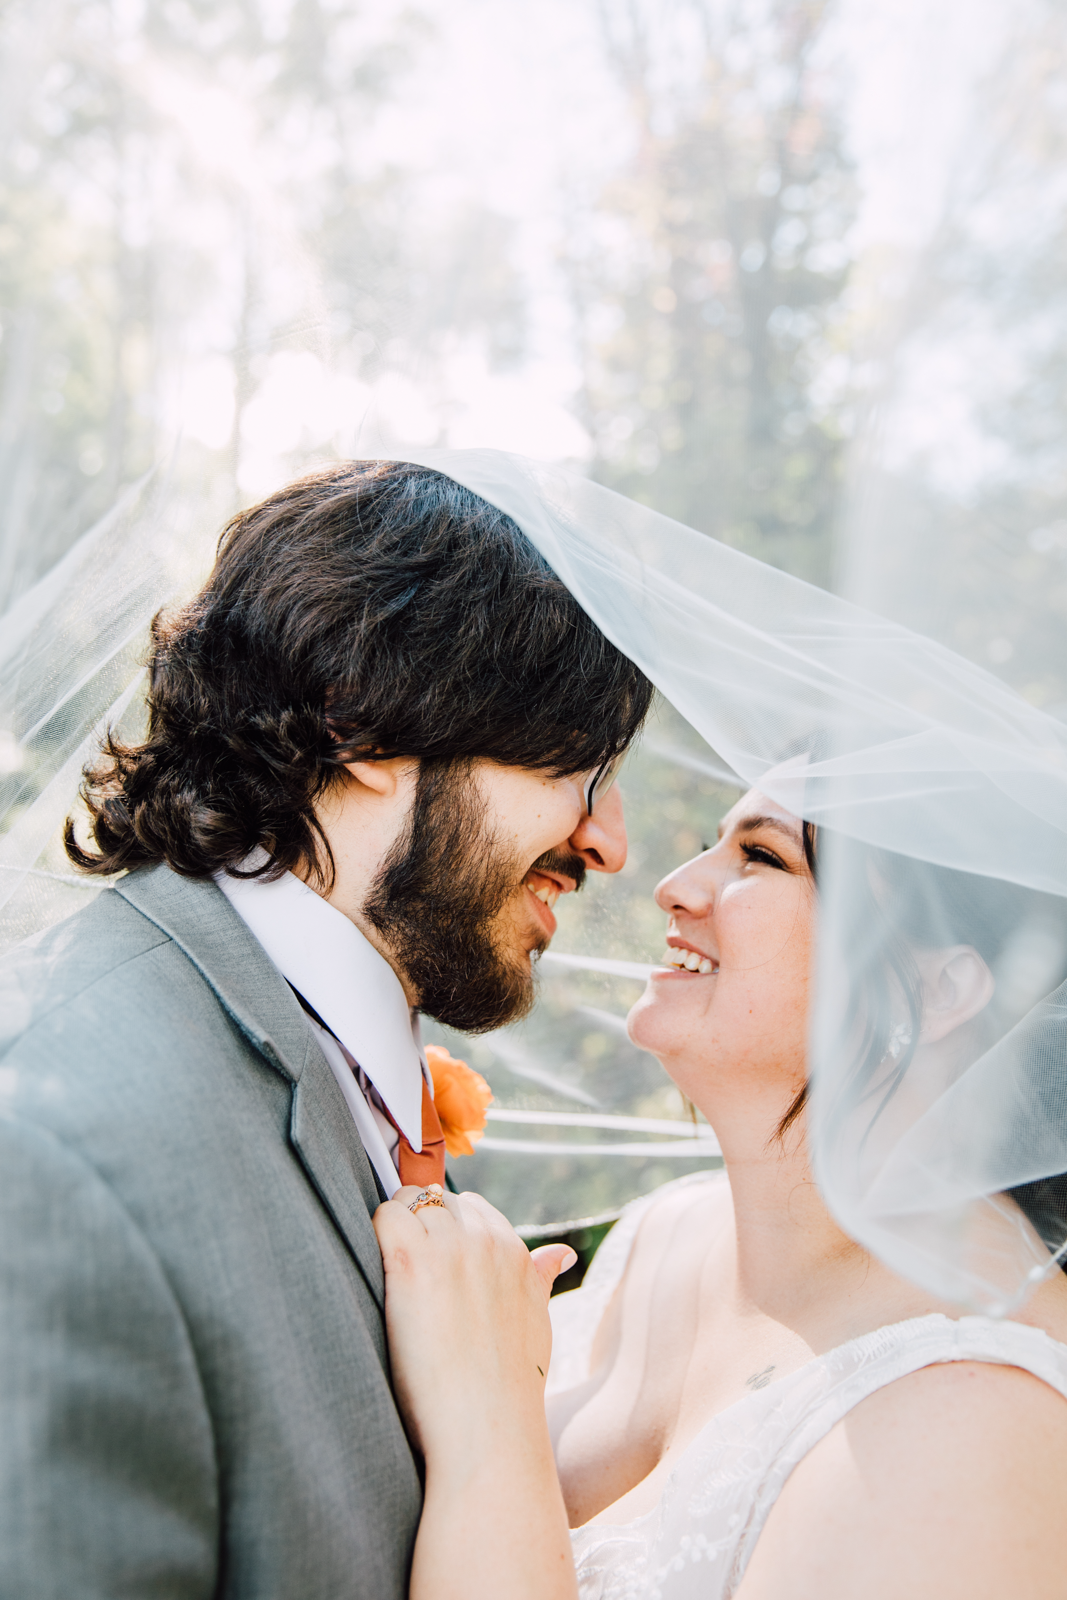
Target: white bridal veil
941, 800
936, 371
940, 797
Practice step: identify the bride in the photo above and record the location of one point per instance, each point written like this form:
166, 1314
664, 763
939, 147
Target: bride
743, 1399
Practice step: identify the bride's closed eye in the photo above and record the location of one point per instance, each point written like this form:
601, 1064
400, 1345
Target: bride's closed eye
760, 852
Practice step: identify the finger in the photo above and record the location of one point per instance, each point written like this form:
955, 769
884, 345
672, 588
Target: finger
408, 1193
479, 1215
477, 1203
393, 1224
550, 1260
396, 1224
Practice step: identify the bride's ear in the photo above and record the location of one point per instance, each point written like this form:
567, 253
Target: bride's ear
957, 985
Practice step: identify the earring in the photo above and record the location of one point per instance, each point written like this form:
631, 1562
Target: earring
899, 1040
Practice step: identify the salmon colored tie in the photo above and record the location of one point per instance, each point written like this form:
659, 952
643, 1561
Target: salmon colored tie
429, 1165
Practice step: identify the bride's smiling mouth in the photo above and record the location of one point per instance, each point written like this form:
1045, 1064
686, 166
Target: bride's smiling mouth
682, 958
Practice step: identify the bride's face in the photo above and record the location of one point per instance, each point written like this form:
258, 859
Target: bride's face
746, 908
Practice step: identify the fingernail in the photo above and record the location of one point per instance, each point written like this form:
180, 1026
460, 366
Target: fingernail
568, 1260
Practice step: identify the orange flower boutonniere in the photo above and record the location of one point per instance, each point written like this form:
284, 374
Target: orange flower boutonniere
460, 1096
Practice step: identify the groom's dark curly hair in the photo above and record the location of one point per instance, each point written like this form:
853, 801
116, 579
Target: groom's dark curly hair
371, 609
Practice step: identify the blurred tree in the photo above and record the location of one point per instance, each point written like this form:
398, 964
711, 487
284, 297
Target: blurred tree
197, 234
711, 274
200, 227
73, 285
958, 525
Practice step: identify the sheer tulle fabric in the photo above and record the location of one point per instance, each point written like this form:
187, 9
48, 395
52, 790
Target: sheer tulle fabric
941, 800
71, 651
940, 796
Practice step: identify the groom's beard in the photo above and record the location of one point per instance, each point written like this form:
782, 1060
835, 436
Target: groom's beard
439, 903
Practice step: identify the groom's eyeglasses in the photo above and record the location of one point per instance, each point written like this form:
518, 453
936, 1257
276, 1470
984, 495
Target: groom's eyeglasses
598, 785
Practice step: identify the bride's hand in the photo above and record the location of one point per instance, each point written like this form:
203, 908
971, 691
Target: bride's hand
466, 1309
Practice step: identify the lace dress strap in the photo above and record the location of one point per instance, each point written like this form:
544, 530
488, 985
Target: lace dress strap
849, 1374
696, 1544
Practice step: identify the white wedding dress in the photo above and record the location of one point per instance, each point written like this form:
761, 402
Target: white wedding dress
697, 1542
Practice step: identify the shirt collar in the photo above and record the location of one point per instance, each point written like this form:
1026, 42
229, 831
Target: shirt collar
344, 978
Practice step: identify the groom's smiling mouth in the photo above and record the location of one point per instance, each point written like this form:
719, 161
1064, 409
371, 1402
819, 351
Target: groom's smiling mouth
544, 889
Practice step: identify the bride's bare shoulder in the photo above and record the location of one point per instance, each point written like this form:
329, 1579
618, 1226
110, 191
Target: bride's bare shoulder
704, 1195
668, 1246
948, 1481
678, 1222
1047, 1308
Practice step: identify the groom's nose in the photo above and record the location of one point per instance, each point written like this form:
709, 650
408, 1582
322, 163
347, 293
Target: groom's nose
600, 839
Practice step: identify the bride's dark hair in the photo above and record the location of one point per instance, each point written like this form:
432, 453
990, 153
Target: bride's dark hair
897, 905
894, 906
369, 610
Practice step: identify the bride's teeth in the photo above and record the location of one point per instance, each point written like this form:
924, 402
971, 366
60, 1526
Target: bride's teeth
688, 960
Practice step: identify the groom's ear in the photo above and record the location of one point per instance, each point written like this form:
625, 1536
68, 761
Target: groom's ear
383, 777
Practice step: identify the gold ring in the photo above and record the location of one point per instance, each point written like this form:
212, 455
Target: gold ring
432, 1195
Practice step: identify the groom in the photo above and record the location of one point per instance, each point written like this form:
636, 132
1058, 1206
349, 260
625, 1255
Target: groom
379, 748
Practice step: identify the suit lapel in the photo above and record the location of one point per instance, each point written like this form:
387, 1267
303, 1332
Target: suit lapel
338, 1168
201, 921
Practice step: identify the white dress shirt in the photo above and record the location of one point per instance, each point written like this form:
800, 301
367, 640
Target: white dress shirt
355, 991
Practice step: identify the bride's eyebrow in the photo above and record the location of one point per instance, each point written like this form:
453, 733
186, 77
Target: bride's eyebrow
750, 824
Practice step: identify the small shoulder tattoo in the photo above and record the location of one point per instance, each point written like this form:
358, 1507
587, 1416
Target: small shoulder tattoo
759, 1380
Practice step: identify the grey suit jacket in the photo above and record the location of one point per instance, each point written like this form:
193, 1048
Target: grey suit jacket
194, 1388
